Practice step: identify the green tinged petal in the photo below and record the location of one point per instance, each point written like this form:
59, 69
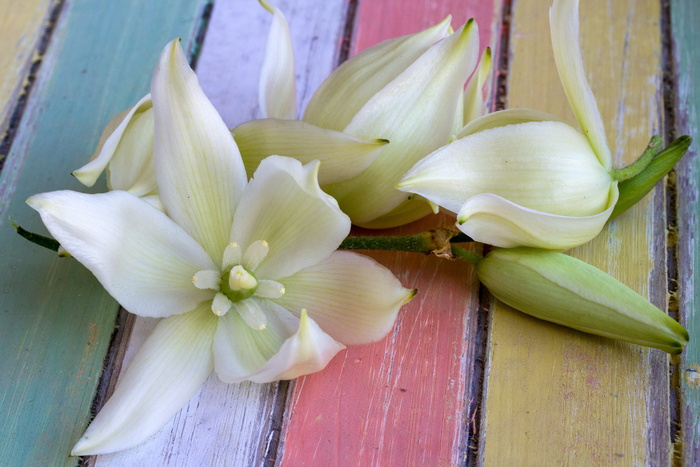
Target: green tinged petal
564, 26
277, 94
342, 156
416, 113
350, 86
199, 170
473, 106
558, 288
126, 149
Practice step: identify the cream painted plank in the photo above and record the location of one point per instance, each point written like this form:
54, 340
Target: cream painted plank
230, 424
555, 396
21, 27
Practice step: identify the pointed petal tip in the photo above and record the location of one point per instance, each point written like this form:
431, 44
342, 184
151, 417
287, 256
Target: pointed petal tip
267, 6
410, 296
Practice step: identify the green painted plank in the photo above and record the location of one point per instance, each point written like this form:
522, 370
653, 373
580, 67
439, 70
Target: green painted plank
55, 319
685, 15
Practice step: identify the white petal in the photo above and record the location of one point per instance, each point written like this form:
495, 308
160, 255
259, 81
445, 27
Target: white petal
198, 167
545, 166
506, 117
241, 350
127, 146
473, 106
415, 112
141, 257
564, 26
277, 94
342, 156
306, 351
284, 205
352, 297
166, 372
352, 84
491, 219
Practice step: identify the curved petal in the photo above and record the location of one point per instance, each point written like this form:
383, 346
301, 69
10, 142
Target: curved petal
278, 352
473, 105
127, 146
284, 206
416, 113
141, 257
352, 297
545, 166
241, 350
564, 26
491, 219
278, 95
506, 117
342, 156
166, 372
198, 167
353, 83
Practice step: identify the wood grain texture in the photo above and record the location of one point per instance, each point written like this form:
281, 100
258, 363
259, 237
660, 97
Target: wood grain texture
55, 319
556, 396
684, 19
403, 400
230, 424
21, 27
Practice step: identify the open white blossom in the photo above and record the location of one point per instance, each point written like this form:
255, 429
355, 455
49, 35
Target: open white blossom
521, 177
245, 274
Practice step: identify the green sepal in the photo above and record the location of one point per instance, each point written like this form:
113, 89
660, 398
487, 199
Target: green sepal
46, 242
635, 188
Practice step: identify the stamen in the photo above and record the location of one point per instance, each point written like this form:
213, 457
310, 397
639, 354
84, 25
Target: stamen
253, 315
255, 253
269, 289
240, 279
207, 279
232, 256
221, 304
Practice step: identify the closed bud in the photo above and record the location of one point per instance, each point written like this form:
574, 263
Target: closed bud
558, 288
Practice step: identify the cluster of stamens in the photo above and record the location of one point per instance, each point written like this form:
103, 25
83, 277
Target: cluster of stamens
236, 282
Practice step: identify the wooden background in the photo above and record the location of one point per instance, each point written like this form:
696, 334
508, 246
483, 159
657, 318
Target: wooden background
460, 380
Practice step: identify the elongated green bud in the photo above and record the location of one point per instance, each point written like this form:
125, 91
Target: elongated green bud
635, 188
558, 288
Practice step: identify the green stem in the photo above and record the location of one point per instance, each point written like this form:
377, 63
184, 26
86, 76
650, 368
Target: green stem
40, 240
466, 255
640, 164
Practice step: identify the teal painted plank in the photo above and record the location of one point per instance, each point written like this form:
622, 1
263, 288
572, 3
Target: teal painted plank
685, 15
55, 319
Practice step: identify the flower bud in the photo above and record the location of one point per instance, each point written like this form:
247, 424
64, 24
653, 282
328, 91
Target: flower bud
558, 288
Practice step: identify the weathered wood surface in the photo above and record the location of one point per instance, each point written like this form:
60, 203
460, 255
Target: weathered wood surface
555, 396
404, 400
56, 320
550, 396
685, 15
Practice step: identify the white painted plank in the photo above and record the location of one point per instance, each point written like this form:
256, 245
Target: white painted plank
229, 424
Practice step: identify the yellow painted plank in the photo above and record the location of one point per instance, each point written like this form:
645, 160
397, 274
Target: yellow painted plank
556, 396
21, 27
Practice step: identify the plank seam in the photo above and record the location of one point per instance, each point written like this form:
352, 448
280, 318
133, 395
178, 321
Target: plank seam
28, 83
672, 247
346, 42
479, 382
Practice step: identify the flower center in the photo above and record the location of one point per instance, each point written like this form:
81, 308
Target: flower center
238, 283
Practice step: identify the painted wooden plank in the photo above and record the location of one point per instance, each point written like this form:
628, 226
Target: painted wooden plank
232, 424
556, 396
684, 18
403, 400
21, 27
55, 319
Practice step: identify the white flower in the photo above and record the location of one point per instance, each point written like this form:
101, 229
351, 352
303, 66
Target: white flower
407, 90
244, 273
522, 177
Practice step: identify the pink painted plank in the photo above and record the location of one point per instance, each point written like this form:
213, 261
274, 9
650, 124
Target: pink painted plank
402, 400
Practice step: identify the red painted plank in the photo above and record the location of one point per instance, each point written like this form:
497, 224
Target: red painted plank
403, 400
